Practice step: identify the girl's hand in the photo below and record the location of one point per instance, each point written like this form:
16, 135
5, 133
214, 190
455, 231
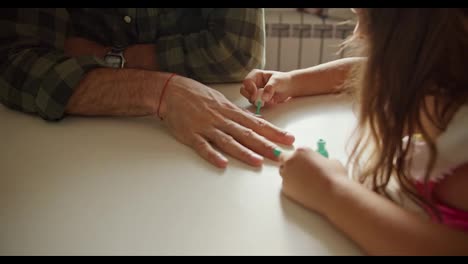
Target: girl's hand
309, 178
271, 87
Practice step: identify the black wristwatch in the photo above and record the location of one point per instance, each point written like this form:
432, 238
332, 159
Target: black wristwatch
115, 58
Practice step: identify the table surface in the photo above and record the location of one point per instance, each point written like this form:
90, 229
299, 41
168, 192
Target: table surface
125, 186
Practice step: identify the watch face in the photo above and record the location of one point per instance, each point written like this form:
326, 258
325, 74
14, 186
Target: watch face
113, 60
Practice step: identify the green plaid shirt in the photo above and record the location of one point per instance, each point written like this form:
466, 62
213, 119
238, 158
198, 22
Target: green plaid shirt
209, 45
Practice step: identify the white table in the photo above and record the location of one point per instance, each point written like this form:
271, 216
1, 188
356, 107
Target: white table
99, 186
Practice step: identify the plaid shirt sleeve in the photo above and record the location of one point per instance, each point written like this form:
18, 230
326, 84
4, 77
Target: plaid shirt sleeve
232, 44
35, 75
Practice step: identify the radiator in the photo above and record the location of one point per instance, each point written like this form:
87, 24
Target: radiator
298, 40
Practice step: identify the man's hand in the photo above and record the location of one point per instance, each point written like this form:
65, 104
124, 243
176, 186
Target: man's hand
201, 117
196, 115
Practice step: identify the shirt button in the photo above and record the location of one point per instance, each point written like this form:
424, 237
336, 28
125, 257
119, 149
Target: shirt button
127, 19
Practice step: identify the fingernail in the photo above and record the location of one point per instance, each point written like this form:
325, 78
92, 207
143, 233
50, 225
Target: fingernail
222, 163
256, 156
222, 159
287, 134
276, 152
291, 138
257, 160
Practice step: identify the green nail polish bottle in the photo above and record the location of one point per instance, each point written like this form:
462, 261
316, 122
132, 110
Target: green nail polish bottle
321, 148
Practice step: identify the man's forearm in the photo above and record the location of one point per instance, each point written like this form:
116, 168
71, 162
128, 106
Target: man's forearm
142, 56
117, 92
137, 56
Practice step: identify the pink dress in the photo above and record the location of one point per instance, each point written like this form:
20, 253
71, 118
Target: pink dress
452, 147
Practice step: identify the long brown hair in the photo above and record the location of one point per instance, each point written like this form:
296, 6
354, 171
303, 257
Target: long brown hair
412, 54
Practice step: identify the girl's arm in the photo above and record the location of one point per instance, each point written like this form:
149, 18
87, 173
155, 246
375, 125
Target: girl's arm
274, 87
381, 227
322, 79
377, 225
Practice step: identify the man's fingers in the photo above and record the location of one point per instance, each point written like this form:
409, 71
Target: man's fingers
204, 149
248, 138
261, 127
229, 145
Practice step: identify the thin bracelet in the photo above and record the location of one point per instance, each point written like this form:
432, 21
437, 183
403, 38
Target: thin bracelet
162, 94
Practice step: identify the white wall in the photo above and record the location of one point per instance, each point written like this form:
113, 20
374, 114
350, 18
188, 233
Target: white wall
299, 40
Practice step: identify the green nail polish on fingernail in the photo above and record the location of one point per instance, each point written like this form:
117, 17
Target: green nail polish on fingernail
276, 152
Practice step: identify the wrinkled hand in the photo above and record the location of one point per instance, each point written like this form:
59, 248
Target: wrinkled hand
309, 178
272, 87
203, 118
